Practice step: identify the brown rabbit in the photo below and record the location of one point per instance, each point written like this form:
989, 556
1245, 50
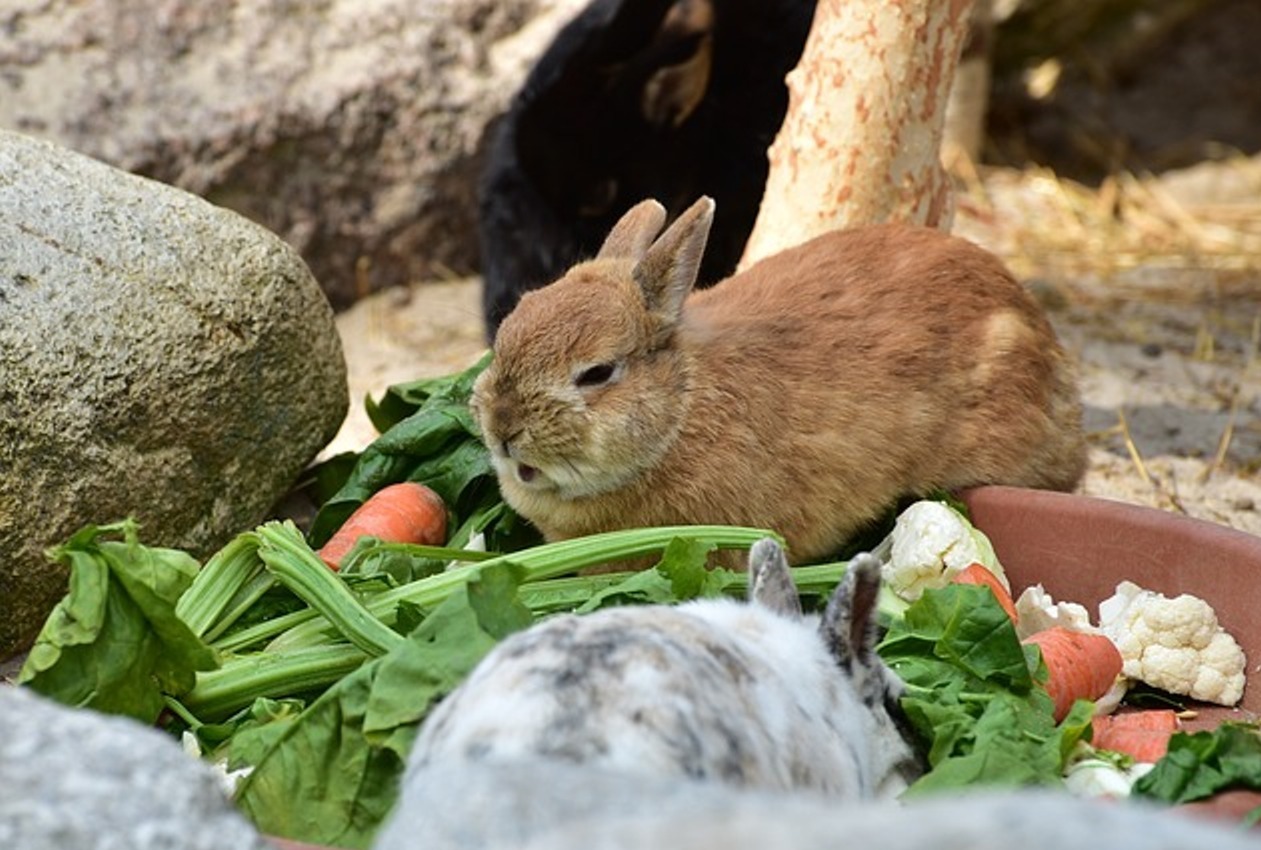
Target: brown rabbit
804, 395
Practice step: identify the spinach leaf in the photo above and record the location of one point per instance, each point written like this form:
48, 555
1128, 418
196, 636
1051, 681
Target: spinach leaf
331, 775
428, 435
1200, 764
680, 575
251, 732
114, 643
959, 627
973, 694
402, 400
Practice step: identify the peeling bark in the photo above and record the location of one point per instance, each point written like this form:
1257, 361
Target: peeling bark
862, 137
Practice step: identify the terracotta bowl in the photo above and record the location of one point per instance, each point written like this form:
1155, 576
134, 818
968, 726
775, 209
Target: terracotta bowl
1079, 548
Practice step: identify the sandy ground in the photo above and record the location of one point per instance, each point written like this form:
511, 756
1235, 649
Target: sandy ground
1166, 348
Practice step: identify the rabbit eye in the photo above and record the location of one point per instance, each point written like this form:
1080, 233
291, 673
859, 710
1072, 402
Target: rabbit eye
596, 376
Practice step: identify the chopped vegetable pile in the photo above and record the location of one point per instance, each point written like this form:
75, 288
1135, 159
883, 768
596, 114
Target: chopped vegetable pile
305, 663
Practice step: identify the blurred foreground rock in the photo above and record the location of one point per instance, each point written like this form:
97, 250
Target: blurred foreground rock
159, 358
82, 780
558, 806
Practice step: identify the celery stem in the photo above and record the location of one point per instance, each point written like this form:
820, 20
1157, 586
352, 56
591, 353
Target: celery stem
241, 680
540, 562
292, 562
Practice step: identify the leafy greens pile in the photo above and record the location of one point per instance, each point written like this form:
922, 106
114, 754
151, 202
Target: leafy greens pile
973, 693
317, 681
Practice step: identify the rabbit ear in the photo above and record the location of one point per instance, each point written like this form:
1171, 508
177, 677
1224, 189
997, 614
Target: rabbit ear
849, 623
770, 583
630, 237
668, 270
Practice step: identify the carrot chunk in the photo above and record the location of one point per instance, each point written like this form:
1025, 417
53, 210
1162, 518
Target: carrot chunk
980, 574
400, 513
1144, 735
1079, 665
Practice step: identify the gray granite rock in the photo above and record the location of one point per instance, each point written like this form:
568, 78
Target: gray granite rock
159, 357
78, 780
555, 806
352, 129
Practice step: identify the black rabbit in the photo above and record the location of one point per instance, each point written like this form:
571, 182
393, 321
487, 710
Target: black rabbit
669, 99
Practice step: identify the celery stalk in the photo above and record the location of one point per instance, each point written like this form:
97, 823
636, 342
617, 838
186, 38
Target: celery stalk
242, 679
229, 570
259, 632
291, 561
240, 603
539, 562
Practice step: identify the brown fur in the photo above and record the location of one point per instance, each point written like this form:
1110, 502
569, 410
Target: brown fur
804, 395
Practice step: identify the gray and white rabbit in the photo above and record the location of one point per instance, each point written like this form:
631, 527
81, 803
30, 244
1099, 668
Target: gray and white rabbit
753, 695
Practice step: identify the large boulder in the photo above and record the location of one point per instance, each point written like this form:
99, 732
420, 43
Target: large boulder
159, 358
82, 780
351, 128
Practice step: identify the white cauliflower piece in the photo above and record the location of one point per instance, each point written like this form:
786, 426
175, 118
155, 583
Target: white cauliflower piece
1037, 611
227, 779
1096, 777
1174, 644
930, 542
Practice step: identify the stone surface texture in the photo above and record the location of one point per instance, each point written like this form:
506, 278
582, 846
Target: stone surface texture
561, 806
351, 128
159, 357
83, 780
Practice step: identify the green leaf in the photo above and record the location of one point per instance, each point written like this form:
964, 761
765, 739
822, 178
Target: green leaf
493, 597
402, 400
681, 574
444, 648
1200, 764
428, 435
251, 732
683, 563
1075, 727
321, 781
649, 587
965, 627
332, 775
971, 696
114, 643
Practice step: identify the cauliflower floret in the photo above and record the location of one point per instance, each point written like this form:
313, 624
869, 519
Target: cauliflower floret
1174, 644
1037, 611
227, 779
930, 542
1096, 777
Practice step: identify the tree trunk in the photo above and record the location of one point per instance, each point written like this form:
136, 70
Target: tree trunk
861, 140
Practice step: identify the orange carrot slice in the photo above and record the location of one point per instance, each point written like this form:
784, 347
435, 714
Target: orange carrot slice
1144, 735
400, 513
980, 574
1079, 665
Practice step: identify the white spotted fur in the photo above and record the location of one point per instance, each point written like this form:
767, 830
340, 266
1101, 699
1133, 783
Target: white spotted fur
746, 694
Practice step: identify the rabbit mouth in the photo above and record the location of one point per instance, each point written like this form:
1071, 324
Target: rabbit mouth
527, 475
